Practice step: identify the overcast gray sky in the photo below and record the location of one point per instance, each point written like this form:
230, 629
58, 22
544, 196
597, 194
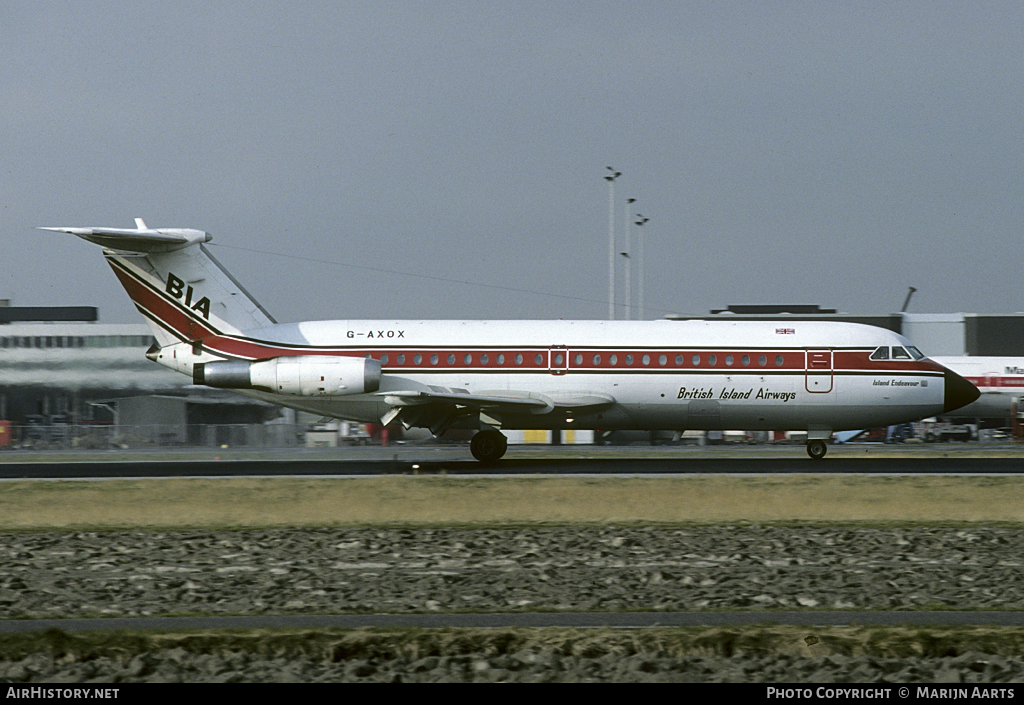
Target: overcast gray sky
785, 152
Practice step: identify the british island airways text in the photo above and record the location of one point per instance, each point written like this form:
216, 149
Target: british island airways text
733, 393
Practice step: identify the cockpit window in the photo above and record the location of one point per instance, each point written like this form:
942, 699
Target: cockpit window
898, 353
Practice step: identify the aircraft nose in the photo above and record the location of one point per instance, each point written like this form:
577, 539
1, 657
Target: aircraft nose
959, 392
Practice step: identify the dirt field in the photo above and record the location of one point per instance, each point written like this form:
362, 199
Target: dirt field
418, 500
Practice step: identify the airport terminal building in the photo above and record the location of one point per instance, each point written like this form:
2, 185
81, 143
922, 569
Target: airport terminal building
66, 380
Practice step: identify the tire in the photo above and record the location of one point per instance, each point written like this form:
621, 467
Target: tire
816, 449
488, 446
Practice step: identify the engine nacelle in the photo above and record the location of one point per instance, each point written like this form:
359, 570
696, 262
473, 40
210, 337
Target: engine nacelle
302, 375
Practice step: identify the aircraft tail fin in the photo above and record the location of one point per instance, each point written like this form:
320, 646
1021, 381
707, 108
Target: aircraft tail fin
182, 290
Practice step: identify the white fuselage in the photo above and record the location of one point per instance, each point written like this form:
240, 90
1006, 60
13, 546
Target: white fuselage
672, 375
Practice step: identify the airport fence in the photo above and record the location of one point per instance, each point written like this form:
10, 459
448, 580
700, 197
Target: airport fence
102, 436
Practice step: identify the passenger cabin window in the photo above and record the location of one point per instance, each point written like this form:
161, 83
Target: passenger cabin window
881, 353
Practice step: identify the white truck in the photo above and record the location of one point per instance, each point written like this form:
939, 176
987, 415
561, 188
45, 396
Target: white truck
934, 431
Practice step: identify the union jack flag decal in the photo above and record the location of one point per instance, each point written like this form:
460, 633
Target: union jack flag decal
785, 331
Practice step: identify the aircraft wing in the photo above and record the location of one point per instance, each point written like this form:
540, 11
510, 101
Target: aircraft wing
494, 403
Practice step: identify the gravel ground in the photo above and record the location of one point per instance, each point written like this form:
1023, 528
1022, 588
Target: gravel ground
554, 568
531, 666
374, 570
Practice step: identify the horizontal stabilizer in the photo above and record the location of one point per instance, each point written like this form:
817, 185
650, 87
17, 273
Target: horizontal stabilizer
139, 239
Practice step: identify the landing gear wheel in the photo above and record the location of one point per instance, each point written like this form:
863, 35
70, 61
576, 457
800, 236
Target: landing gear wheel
488, 446
816, 449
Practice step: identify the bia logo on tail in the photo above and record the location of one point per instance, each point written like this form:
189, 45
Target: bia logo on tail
177, 288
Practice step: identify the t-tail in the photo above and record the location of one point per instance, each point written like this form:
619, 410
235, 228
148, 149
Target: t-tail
182, 290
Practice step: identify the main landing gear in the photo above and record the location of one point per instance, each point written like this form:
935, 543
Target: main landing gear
816, 449
488, 446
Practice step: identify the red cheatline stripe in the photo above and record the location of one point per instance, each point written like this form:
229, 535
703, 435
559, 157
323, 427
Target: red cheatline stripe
170, 314
1003, 382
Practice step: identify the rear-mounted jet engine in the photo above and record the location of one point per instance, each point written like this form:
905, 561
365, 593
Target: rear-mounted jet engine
301, 375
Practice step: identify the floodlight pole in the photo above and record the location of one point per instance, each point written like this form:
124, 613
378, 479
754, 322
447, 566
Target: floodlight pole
627, 255
640, 247
906, 302
629, 289
610, 178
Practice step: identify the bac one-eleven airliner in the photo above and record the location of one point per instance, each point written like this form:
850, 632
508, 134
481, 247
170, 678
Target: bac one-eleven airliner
817, 377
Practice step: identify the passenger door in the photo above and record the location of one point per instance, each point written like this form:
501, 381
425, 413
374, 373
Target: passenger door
818, 371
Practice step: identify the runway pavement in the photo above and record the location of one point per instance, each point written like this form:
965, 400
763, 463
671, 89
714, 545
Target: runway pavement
568, 460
